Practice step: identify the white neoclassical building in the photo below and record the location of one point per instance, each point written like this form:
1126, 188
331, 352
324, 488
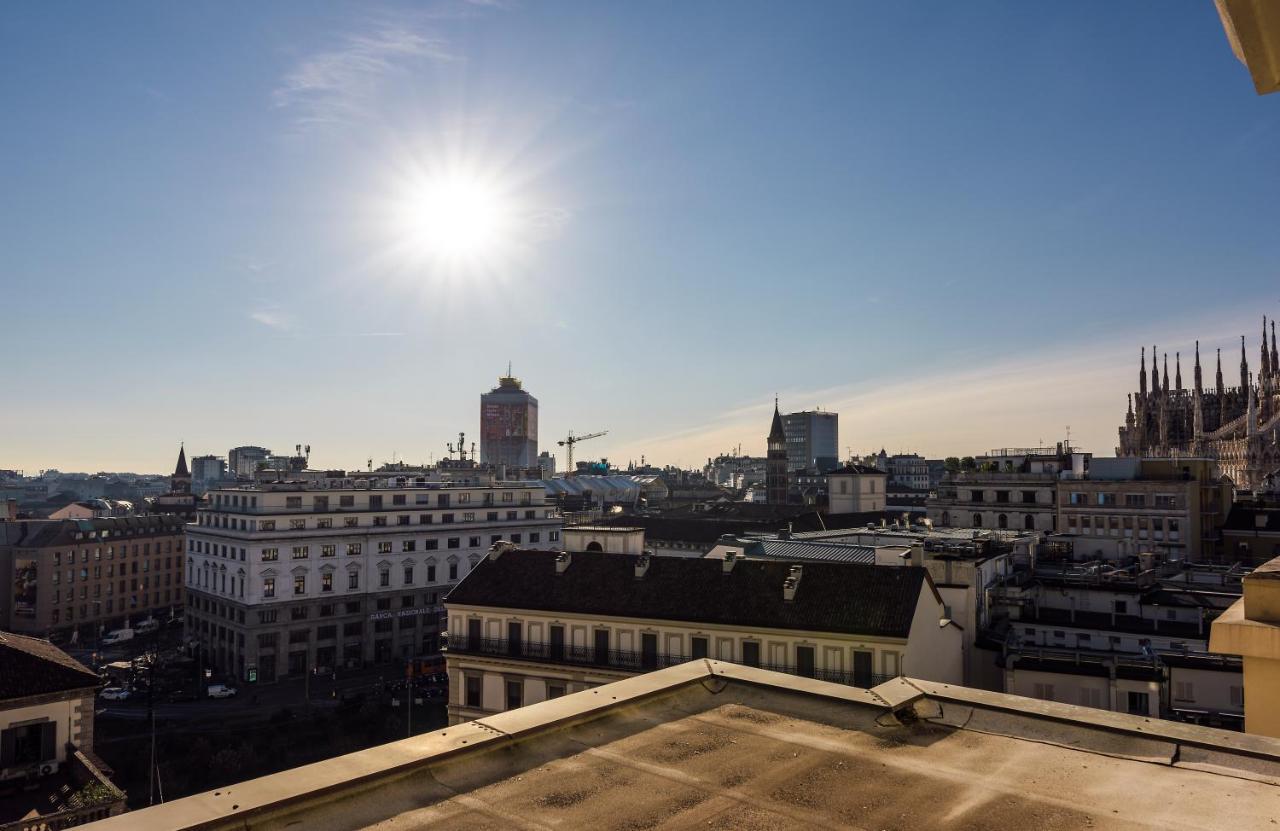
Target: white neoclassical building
344, 570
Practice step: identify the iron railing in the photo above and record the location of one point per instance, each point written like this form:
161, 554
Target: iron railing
631, 660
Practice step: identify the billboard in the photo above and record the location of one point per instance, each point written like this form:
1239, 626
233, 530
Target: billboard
506, 421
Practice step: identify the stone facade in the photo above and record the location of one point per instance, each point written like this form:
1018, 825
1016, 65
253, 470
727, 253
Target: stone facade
1236, 426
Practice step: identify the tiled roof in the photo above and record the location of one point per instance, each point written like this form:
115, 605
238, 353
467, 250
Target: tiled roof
855, 468
30, 666
812, 551
1244, 518
43, 533
831, 597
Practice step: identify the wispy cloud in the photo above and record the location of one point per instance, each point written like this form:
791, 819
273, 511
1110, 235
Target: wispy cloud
273, 319
332, 87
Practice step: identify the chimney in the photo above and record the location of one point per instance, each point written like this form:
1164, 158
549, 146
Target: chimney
499, 548
792, 583
562, 562
730, 560
642, 565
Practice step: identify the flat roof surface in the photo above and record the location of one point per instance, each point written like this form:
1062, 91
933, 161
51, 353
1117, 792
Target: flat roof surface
710, 745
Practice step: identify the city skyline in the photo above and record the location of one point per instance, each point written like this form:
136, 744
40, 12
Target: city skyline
220, 258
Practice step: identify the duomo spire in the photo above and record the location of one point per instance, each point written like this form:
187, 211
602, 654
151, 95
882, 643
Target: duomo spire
1199, 386
1236, 426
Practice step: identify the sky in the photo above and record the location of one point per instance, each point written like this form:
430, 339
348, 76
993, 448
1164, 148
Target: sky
953, 223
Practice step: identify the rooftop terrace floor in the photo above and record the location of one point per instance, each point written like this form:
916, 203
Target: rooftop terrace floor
752, 750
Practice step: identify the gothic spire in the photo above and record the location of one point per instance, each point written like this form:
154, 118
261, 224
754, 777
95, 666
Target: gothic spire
1275, 355
181, 468
1219, 386
1155, 370
1266, 357
1177, 363
1199, 386
1244, 367
1164, 388
1142, 373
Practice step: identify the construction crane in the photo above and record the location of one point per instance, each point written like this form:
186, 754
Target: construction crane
569, 441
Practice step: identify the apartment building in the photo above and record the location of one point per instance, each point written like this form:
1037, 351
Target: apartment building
49, 777
342, 571
1125, 506
1008, 488
526, 626
89, 575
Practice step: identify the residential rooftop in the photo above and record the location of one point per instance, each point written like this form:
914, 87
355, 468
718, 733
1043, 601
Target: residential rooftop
828, 597
712, 745
31, 667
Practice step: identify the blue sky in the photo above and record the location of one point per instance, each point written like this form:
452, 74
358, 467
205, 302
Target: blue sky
953, 223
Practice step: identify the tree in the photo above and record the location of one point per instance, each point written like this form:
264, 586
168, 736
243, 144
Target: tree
968, 463
951, 464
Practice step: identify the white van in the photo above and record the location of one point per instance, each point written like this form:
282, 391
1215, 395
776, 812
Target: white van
117, 636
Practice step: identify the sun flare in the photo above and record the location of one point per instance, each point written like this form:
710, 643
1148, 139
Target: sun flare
456, 217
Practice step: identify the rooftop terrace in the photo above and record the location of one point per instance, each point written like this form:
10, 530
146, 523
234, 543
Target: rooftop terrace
714, 745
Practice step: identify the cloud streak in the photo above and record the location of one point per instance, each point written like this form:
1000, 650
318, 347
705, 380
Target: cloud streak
1020, 401
272, 319
333, 86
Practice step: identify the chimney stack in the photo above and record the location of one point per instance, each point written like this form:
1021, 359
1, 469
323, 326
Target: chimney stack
792, 583
562, 562
730, 559
499, 548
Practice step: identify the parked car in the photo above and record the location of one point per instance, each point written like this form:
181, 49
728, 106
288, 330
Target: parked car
178, 696
221, 691
114, 694
146, 626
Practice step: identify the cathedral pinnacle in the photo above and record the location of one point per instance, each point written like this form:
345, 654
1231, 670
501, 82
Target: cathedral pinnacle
1177, 362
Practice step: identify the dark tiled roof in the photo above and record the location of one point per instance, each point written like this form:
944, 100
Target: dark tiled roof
709, 526
43, 533
1244, 518
30, 666
831, 597
855, 468
798, 551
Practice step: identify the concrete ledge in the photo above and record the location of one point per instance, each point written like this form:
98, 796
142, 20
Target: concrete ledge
1190, 735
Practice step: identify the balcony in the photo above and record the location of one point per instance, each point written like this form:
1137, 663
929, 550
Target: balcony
630, 661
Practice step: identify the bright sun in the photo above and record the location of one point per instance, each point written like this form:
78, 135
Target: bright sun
457, 218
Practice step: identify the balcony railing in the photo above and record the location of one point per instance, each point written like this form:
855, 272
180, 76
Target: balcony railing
631, 661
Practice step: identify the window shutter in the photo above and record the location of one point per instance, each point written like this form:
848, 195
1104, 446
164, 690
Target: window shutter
48, 739
7, 739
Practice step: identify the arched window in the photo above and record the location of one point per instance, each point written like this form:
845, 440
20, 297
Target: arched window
1002, 521
1029, 522
594, 546
977, 520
